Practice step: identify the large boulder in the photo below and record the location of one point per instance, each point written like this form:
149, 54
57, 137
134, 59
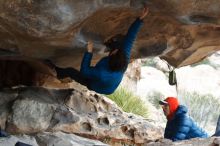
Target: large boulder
213, 141
32, 110
12, 140
181, 32
50, 139
63, 139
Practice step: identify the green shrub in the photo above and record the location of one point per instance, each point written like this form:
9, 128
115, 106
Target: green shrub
129, 102
149, 62
154, 98
204, 61
204, 109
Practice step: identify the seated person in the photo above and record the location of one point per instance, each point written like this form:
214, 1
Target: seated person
179, 125
107, 74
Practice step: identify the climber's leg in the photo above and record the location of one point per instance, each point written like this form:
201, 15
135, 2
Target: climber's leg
68, 72
72, 73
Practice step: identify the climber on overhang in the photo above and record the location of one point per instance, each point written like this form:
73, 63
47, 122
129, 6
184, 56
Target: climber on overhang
107, 74
179, 125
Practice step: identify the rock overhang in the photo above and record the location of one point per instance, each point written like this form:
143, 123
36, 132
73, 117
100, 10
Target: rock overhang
180, 32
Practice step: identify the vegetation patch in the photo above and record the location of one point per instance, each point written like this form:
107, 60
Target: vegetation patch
129, 102
154, 99
204, 109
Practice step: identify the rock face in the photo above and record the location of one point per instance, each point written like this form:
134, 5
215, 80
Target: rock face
12, 140
28, 72
193, 142
32, 110
132, 76
63, 139
181, 32
50, 139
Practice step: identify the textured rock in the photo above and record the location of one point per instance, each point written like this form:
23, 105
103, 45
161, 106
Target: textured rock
26, 72
132, 76
29, 112
193, 142
13, 139
182, 32
78, 111
50, 139
7, 96
62, 139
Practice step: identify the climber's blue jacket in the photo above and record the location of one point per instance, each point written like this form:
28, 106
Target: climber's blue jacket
100, 78
182, 127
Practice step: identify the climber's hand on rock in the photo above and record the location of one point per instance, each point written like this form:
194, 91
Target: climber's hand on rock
90, 46
144, 13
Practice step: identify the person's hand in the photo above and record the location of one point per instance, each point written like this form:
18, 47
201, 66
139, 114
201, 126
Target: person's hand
144, 13
90, 46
